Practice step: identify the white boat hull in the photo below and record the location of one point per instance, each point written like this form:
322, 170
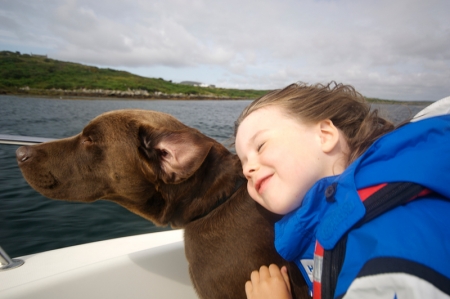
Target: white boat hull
144, 266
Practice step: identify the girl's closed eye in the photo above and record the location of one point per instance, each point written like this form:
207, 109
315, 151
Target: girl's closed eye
260, 146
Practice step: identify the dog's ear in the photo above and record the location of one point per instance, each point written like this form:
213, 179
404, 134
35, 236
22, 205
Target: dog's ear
176, 155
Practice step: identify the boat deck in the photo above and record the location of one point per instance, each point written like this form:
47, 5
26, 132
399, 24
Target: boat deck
144, 266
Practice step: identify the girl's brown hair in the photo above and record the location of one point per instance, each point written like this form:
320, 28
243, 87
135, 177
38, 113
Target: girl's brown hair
342, 104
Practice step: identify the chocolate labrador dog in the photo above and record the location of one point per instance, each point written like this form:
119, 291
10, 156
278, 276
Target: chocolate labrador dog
170, 174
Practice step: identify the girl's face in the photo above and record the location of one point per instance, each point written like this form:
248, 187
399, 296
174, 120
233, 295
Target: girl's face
281, 158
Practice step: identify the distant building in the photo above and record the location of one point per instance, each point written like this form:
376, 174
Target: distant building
197, 84
191, 83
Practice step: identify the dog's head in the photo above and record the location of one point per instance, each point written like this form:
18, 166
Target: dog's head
147, 161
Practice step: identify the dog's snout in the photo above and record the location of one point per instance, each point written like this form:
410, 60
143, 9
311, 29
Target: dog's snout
23, 153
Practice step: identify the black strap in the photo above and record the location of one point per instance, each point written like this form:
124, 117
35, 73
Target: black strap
383, 200
389, 197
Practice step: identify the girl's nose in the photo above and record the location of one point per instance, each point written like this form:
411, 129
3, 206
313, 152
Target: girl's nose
249, 169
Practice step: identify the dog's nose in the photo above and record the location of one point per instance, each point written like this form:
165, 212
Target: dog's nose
23, 153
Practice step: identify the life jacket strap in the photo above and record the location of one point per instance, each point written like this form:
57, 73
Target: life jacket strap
377, 200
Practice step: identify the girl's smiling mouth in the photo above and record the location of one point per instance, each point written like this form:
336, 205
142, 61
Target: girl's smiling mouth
262, 183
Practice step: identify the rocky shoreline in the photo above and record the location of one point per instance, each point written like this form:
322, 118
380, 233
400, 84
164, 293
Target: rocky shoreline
107, 93
145, 95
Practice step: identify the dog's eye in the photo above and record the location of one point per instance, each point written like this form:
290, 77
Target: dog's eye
163, 153
87, 141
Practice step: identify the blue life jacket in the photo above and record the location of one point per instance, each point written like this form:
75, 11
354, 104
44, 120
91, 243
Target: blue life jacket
402, 253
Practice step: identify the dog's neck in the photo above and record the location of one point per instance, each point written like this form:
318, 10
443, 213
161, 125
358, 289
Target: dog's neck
238, 184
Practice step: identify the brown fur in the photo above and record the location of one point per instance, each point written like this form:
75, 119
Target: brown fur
168, 173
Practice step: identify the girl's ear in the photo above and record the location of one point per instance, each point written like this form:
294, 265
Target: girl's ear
329, 136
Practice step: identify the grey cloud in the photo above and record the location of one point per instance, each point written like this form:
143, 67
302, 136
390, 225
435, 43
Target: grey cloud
385, 48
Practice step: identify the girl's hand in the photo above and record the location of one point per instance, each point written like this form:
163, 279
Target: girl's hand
269, 283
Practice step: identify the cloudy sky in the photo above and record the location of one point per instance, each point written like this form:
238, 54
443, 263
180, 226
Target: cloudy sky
390, 49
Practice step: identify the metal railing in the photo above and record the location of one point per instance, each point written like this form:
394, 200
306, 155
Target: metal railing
7, 263
21, 140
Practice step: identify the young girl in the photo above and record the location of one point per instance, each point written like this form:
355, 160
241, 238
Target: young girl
299, 149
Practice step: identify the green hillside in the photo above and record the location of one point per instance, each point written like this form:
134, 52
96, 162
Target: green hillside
39, 75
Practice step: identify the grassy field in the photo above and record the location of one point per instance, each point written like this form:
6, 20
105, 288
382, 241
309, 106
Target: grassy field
26, 74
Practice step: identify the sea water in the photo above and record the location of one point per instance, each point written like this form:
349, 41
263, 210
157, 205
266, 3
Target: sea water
31, 223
